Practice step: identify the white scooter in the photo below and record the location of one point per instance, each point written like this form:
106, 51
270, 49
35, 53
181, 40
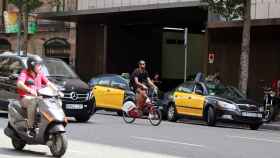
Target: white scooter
50, 120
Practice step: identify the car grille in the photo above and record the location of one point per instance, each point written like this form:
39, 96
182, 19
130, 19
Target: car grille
75, 96
247, 107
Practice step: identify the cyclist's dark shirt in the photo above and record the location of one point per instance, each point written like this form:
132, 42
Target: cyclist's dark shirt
141, 75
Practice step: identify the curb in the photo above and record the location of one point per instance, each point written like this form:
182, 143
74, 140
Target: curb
271, 126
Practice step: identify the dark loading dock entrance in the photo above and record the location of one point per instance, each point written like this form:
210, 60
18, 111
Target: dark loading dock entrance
112, 41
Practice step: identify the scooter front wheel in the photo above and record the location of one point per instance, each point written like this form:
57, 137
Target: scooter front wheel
59, 145
127, 118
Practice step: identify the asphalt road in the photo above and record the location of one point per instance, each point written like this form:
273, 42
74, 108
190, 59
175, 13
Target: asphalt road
107, 136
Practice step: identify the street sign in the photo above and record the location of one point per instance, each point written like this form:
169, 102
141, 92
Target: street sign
10, 20
11, 24
211, 57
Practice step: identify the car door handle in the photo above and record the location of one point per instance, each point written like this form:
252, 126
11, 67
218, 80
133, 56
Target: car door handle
108, 90
189, 97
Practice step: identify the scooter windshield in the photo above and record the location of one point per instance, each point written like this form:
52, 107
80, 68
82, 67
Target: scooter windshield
46, 91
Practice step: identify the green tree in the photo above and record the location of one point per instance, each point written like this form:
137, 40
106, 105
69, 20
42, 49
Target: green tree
25, 7
59, 4
230, 10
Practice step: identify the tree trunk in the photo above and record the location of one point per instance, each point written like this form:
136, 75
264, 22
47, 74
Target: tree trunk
19, 21
25, 36
245, 50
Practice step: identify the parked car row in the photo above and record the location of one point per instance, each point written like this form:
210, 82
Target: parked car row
208, 101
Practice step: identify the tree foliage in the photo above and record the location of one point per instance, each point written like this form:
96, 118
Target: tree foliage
228, 9
26, 6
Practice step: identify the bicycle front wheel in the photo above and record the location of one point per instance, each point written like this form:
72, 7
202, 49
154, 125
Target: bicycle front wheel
155, 117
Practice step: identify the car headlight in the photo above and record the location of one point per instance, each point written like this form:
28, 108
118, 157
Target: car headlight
89, 96
226, 105
261, 108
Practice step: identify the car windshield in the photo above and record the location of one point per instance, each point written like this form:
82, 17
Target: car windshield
227, 91
57, 68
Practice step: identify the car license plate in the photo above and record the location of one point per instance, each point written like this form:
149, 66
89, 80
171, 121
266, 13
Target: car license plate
250, 114
74, 106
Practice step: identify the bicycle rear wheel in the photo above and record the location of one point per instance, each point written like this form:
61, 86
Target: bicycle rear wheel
127, 118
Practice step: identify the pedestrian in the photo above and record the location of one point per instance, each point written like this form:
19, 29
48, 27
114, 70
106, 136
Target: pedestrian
156, 79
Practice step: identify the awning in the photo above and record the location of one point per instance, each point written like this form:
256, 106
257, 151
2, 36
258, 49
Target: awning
177, 13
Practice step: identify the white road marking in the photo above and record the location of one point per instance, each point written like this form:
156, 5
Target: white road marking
77, 148
256, 139
167, 141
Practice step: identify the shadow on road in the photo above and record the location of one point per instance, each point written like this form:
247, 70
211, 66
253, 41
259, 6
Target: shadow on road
24, 153
218, 125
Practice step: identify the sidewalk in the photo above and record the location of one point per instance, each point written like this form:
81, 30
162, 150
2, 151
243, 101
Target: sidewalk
275, 125
271, 126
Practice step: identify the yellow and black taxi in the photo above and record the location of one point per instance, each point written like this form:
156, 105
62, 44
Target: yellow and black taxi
110, 91
211, 102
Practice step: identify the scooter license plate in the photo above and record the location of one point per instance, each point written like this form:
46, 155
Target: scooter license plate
250, 114
74, 106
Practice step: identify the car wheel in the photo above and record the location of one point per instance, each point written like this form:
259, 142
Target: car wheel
211, 117
171, 113
254, 126
119, 113
82, 118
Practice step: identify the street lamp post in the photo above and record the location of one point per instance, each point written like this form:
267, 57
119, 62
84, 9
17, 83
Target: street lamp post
186, 53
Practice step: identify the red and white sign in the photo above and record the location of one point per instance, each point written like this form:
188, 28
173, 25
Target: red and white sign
211, 57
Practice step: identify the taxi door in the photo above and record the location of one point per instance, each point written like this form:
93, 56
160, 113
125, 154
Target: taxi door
181, 96
100, 91
115, 97
196, 101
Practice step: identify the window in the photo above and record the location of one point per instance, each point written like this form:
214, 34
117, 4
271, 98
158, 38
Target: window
94, 82
57, 48
4, 44
186, 87
119, 83
104, 81
199, 88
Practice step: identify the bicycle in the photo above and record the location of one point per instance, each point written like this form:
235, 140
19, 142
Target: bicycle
150, 109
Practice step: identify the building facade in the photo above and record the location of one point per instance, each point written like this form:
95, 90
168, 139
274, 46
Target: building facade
113, 35
225, 42
53, 39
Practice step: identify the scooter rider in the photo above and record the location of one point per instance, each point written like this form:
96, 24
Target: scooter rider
140, 79
29, 82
